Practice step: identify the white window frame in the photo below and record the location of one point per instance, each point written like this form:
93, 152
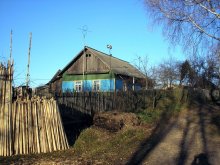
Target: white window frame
78, 86
96, 85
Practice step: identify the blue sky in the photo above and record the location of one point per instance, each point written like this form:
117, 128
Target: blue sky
57, 38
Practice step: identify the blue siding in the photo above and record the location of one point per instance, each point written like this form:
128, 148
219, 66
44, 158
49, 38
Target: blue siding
119, 85
67, 86
87, 85
107, 85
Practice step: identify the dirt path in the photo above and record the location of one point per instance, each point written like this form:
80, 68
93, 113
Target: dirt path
192, 138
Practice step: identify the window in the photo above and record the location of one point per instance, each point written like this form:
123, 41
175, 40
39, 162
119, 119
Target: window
88, 55
96, 85
78, 86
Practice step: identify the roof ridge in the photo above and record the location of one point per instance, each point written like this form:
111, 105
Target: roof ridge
106, 54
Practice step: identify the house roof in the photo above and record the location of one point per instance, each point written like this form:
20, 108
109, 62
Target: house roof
114, 64
117, 65
55, 76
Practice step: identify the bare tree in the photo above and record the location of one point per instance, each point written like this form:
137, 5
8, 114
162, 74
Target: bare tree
141, 63
213, 67
200, 71
185, 70
168, 72
190, 23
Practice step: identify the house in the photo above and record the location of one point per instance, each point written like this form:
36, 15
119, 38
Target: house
55, 84
43, 90
93, 70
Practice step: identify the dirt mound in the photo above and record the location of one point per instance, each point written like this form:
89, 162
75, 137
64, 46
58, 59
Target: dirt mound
115, 121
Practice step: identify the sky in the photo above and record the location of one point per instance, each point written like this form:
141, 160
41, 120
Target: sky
57, 34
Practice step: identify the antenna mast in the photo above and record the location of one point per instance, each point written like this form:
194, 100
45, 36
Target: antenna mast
110, 69
28, 65
84, 31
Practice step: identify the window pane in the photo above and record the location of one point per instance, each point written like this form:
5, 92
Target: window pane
78, 86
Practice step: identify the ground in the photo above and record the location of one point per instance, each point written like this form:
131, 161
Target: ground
190, 137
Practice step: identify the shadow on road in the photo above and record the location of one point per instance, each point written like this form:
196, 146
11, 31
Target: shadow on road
203, 113
162, 129
159, 133
197, 119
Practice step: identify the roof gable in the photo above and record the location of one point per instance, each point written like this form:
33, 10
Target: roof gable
114, 64
117, 65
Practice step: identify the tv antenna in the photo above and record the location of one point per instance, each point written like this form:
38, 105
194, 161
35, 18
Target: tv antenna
110, 68
84, 29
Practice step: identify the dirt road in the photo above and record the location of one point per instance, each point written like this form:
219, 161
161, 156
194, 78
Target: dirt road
192, 138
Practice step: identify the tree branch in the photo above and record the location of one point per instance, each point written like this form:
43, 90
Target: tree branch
202, 30
209, 10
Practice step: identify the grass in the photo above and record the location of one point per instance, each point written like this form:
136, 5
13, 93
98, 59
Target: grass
169, 103
99, 144
149, 116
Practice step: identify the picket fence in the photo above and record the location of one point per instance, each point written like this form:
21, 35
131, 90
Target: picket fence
31, 126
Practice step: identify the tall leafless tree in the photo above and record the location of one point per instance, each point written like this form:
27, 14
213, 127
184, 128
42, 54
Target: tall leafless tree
141, 63
194, 24
168, 72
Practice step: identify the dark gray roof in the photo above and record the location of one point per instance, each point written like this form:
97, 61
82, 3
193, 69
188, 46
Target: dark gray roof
117, 65
55, 76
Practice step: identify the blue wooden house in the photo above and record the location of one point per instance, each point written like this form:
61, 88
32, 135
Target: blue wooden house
93, 70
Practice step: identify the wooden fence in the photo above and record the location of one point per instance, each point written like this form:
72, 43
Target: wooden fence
27, 126
90, 102
32, 126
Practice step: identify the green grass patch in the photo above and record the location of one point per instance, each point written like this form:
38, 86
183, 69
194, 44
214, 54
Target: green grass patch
169, 104
149, 116
100, 144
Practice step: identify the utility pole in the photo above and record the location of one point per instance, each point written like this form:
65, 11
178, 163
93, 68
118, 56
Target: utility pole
10, 67
11, 46
28, 65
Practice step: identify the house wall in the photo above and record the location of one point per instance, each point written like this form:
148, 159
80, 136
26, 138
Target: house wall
119, 84
122, 81
55, 86
107, 82
67, 86
91, 65
105, 85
